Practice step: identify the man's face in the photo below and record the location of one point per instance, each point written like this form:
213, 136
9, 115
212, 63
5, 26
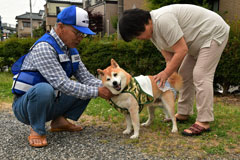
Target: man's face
147, 34
71, 37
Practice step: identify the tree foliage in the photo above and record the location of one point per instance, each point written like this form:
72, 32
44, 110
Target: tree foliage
96, 21
37, 33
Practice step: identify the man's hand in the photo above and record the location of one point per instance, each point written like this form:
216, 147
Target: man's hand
162, 77
104, 93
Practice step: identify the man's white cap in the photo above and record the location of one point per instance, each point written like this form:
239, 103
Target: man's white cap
77, 17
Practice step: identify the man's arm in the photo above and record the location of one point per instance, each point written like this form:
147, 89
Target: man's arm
85, 77
44, 59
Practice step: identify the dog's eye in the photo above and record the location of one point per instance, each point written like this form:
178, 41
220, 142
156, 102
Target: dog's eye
108, 79
115, 74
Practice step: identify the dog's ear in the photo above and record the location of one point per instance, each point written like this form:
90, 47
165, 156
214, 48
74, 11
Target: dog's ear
114, 64
100, 72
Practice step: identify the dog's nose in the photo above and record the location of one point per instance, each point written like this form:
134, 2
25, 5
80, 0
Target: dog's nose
115, 83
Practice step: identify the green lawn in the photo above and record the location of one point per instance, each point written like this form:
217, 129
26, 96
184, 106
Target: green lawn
222, 142
224, 139
5, 87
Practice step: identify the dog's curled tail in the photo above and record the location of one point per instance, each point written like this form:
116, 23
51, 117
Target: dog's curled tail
176, 81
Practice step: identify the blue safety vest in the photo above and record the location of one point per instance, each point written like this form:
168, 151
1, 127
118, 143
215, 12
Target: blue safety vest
23, 80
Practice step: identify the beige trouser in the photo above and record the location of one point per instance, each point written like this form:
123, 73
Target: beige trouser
198, 77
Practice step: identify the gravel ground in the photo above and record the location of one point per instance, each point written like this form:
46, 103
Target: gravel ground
94, 142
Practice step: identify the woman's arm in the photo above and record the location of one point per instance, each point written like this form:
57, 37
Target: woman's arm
173, 60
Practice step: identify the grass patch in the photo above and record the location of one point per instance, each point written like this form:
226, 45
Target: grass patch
219, 149
100, 107
5, 87
223, 141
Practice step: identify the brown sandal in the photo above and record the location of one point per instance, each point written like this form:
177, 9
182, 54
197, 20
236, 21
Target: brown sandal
196, 130
69, 128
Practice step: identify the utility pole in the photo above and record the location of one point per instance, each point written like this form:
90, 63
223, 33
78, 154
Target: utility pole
31, 18
120, 13
1, 29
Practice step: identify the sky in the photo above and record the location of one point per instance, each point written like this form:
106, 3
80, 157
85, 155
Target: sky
9, 9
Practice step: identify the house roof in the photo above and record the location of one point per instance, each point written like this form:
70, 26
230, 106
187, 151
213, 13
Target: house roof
10, 27
71, 1
35, 16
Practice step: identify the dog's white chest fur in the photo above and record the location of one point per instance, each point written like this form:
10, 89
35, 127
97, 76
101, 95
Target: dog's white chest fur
124, 100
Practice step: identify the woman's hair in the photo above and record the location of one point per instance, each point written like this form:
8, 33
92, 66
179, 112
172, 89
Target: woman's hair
133, 22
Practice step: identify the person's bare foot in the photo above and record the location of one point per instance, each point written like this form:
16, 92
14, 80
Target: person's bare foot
36, 140
62, 124
181, 117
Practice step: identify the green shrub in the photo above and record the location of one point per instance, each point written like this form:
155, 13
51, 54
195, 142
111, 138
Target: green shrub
228, 69
136, 57
13, 48
114, 21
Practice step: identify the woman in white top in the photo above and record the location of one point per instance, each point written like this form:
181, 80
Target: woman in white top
191, 39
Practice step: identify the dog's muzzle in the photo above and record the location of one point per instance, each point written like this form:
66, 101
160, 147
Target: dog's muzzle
117, 86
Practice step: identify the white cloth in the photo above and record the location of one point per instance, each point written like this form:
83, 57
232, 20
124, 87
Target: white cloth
146, 85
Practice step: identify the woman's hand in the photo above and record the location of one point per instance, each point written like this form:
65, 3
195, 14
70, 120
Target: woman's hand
162, 77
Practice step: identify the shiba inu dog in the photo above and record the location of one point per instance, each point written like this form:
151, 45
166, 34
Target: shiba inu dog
147, 93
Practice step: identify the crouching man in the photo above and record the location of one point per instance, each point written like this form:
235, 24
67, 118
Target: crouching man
42, 85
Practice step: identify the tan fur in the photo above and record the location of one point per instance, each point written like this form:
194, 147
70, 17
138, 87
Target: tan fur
175, 81
115, 74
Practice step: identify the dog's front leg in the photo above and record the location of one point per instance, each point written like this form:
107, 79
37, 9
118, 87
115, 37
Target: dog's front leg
135, 121
129, 124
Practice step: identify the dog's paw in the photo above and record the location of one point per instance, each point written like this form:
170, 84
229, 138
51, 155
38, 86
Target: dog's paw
174, 130
127, 131
134, 136
146, 124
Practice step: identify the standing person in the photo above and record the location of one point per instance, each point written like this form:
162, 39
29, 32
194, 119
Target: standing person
43, 88
191, 39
